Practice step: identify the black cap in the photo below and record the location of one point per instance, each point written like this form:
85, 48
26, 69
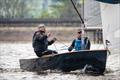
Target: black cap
79, 31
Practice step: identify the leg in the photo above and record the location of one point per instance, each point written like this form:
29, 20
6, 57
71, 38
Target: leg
47, 52
38, 53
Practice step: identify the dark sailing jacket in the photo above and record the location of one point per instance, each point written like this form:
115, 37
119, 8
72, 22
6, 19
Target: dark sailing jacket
40, 42
86, 45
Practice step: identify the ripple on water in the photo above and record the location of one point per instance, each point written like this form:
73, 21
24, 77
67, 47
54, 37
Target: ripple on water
10, 53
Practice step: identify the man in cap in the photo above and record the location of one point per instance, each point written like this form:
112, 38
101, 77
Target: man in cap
80, 43
40, 41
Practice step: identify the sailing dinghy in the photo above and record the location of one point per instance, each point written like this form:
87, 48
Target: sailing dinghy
68, 61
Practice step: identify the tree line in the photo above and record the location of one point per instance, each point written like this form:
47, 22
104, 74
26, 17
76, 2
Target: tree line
38, 9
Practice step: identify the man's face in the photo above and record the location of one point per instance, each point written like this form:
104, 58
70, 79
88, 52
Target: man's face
41, 29
79, 34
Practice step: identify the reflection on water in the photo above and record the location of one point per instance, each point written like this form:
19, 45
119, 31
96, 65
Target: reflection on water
10, 53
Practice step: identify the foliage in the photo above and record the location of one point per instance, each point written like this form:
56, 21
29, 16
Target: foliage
12, 8
35, 9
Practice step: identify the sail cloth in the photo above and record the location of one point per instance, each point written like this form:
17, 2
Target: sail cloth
110, 1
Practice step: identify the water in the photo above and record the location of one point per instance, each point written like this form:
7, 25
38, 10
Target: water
10, 53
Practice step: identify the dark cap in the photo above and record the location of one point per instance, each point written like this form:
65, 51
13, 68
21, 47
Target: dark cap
79, 31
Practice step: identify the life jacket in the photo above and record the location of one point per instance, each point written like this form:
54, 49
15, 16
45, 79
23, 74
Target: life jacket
82, 44
79, 45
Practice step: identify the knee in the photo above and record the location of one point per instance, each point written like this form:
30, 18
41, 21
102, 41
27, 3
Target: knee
39, 54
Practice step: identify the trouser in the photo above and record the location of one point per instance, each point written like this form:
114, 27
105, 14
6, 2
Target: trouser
47, 52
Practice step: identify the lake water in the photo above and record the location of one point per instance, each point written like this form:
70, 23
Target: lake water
11, 53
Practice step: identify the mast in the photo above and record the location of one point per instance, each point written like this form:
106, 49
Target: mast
82, 21
78, 13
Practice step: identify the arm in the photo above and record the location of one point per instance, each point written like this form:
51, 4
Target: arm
52, 41
72, 46
87, 43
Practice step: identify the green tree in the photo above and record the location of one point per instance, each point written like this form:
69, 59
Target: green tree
65, 8
12, 8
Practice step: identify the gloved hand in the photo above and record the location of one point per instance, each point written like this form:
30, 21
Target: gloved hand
70, 48
54, 39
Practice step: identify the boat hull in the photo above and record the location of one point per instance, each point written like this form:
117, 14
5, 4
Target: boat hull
67, 61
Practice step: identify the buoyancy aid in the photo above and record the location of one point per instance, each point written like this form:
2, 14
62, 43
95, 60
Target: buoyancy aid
79, 45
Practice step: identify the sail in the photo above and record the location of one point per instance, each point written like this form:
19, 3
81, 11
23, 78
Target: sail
111, 25
110, 14
110, 1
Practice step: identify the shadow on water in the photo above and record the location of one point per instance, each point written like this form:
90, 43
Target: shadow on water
47, 72
42, 73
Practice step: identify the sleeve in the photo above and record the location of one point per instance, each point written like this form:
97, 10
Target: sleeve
87, 43
51, 42
33, 39
72, 46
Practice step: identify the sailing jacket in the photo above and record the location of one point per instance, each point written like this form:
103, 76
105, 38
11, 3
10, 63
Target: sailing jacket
40, 42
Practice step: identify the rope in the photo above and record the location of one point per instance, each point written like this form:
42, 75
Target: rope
55, 47
62, 43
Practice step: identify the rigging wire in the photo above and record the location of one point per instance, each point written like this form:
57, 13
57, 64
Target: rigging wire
62, 43
55, 47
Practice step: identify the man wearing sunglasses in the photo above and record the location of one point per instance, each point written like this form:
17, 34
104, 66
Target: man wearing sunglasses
40, 42
80, 43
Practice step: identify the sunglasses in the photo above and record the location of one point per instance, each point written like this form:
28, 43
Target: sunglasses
42, 31
79, 32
